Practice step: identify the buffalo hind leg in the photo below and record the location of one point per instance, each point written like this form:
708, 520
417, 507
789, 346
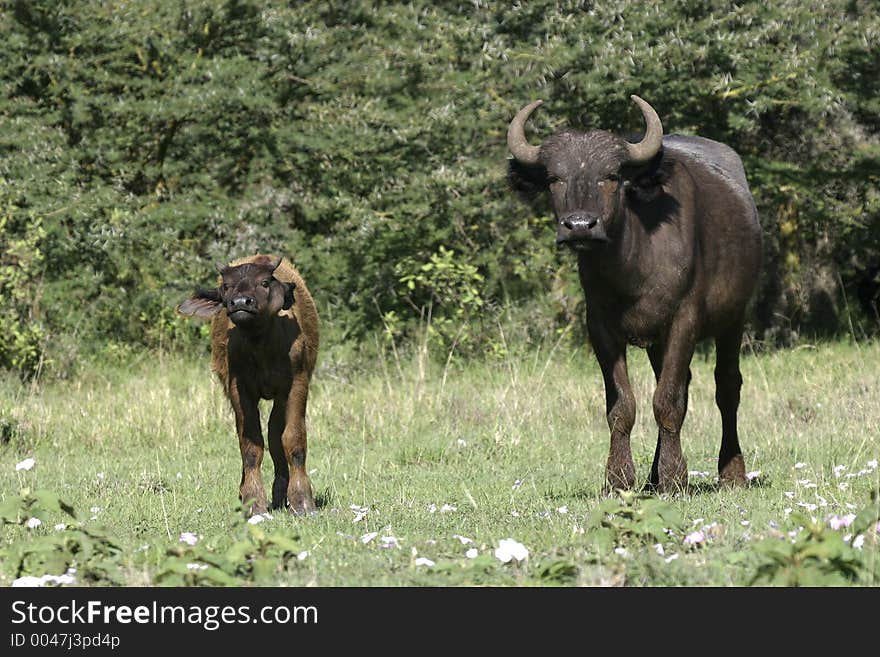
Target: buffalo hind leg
250, 441
277, 423
655, 355
620, 408
300, 499
669, 470
728, 382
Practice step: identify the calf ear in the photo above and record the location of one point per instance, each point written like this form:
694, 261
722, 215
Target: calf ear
203, 304
288, 295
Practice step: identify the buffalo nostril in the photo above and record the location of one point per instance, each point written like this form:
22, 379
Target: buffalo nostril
567, 223
591, 222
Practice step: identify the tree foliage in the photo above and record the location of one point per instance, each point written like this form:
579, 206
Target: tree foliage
143, 141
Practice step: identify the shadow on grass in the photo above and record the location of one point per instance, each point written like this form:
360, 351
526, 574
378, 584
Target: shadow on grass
324, 498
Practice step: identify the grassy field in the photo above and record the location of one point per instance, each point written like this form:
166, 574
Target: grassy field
421, 473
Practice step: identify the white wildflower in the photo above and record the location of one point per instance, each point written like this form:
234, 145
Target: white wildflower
424, 561
259, 517
472, 553
33, 523
27, 464
189, 538
464, 540
509, 549
366, 538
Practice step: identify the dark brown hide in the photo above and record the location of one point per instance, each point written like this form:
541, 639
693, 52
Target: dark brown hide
264, 345
669, 250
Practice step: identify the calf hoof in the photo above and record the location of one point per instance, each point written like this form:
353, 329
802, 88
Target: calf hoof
254, 502
733, 473
279, 493
300, 500
302, 507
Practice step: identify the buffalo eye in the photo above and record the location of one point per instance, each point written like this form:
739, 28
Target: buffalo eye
265, 283
613, 178
224, 287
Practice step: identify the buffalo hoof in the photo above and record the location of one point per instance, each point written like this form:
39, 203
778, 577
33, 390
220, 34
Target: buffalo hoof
254, 501
279, 493
303, 508
619, 477
671, 476
733, 473
300, 500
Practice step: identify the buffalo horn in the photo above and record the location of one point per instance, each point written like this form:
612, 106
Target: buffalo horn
653, 139
519, 147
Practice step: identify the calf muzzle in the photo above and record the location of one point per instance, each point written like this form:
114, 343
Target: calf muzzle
241, 309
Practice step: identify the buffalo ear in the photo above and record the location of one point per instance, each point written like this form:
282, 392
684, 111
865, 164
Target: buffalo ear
203, 304
288, 295
528, 180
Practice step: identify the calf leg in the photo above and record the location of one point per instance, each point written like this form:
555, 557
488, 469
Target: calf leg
669, 469
728, 381
277, 421
294, 444
620, 408
250, 441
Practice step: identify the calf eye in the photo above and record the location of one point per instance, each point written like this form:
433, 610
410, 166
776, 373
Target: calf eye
265, 283
224, 287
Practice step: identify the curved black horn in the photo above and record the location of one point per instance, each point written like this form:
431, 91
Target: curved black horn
653, 139
519, 147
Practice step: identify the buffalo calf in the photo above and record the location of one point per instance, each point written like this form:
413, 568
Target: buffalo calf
264, 344
668, 245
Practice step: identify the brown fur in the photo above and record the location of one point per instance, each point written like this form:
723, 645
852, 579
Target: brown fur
274, 362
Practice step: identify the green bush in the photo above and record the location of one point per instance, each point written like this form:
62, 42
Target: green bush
142, 142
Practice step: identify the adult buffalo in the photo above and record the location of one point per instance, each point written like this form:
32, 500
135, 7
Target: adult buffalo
669, 248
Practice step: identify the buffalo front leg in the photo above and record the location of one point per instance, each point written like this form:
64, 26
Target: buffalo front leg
620, 408
294, 445
250, 441
669, 470
728, 381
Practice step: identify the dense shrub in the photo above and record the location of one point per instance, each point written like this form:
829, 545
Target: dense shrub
143, 141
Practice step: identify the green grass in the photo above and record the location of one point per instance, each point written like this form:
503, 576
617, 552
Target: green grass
516, 446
